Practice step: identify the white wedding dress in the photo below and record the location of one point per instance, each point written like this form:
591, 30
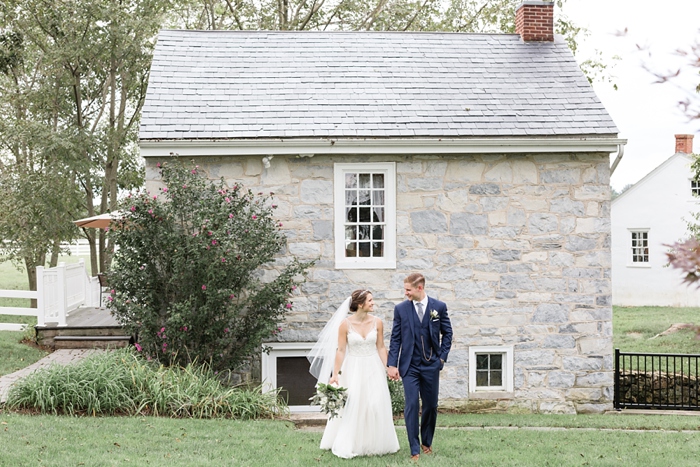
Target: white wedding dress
365, 426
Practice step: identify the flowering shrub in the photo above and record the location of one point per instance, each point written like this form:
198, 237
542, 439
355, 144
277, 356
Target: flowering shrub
187, 278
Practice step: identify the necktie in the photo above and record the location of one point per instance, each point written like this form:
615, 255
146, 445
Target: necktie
419, 306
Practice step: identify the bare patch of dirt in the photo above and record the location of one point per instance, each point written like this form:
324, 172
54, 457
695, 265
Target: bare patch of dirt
635, 335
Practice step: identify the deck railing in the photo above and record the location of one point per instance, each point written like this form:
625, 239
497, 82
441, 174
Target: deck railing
60, 290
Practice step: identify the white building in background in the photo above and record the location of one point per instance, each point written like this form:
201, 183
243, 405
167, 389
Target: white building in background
647, 217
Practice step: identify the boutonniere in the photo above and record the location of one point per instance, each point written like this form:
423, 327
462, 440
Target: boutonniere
434, 315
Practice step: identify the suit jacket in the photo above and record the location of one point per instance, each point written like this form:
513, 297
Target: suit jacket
404, 330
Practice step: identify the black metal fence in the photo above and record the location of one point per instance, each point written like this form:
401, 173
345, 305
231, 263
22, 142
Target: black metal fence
656, 381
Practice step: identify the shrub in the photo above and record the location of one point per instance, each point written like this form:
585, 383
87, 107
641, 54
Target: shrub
124, 383
398, 400
187, 280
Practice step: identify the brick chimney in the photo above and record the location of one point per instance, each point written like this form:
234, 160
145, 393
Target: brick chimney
534, 20
684, 144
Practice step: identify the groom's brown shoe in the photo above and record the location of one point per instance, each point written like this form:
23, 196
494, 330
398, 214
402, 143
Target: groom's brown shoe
426, 449
415, 457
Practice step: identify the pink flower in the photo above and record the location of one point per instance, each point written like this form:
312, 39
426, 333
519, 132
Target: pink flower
133, 208
280, 224
204, 287
223, 260
165, 190
254, 217
194, 171
112, 292
274, 206
231, 296
138, 347
110, 298
150, 211
210, 233
230, 216
289, 306
155, 197
184, 186
213, 242
294, 287
226, 330
227, 199
158, 165
162, 329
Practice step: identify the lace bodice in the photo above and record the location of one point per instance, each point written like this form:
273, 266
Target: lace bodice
359, 347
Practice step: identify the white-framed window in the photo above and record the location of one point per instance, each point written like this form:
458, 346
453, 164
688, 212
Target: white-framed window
284, 365
695, 187
639, 242
490, 369
365, 215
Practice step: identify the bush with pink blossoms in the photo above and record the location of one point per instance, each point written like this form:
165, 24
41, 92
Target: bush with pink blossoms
187, 276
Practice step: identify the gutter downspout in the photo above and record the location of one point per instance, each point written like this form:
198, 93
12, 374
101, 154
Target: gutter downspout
620, 153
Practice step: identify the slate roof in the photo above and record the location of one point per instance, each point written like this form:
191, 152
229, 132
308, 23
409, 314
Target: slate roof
263, 84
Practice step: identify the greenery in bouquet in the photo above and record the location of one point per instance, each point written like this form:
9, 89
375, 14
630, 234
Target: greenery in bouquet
330, 398
201, 272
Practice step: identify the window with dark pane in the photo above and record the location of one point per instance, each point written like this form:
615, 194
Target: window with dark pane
489, 370
695, 187
640, 247
365, 221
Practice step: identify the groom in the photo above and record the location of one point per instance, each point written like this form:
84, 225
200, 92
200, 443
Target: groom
417, 355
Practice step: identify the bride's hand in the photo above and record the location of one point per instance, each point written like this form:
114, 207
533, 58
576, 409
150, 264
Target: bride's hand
333, 380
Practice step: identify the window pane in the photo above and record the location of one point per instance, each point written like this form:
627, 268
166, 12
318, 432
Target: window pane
482, 362
365, 181
364, 249
363, 232
350, 180
378, 249
496, 361
364, 197
496, 378
378, 180
365, 215
378, 214
350, 232
378, 232
378, 198
482, 378
351, 214
350, 249
350, 197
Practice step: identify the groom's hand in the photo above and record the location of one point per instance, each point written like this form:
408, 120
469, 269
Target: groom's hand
393, 373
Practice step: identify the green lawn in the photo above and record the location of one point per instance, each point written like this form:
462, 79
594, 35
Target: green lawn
634, 329
58, 441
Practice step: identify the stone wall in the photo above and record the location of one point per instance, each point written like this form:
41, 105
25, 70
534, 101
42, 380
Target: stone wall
517, 246
656, 388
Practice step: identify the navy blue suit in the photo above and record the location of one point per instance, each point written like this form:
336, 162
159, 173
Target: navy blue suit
417, 349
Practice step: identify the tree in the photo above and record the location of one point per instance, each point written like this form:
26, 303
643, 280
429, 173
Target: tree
76, 75
192, 278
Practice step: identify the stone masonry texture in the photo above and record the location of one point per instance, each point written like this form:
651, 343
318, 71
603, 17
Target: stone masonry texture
516, 245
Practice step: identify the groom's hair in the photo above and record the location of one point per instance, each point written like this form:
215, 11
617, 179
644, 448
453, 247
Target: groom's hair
358, 298
415, 279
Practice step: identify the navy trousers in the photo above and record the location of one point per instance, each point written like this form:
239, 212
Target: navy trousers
421, 384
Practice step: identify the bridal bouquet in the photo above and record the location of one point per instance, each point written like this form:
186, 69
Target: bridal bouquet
330, 398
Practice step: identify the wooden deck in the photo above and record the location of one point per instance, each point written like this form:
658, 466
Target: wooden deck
90, 317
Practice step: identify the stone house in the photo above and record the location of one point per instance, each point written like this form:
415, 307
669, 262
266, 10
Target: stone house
648, 216
480, 160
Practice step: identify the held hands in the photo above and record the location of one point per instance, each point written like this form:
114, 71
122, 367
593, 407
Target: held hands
393, 373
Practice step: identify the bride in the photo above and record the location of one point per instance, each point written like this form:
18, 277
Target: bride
351, 351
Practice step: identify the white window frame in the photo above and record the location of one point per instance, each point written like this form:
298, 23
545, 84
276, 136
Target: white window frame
507, 377
269, 367
630, 249
388, 261
694, 188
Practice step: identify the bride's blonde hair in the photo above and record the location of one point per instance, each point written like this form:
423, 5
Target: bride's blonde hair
358, 298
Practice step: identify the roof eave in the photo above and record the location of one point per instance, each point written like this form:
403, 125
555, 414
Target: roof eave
395, 146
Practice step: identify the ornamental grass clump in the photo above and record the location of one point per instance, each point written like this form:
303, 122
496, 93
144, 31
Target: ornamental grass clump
124, 383
196, 276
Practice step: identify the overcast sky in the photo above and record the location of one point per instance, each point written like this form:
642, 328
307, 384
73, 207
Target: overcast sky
646, 114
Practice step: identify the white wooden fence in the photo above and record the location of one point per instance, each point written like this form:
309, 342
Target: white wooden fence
60, 290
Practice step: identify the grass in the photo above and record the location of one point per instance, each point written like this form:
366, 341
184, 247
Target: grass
57, 441
634, 328
16, 355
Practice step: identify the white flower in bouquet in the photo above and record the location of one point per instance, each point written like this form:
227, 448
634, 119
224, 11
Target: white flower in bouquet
330, 398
